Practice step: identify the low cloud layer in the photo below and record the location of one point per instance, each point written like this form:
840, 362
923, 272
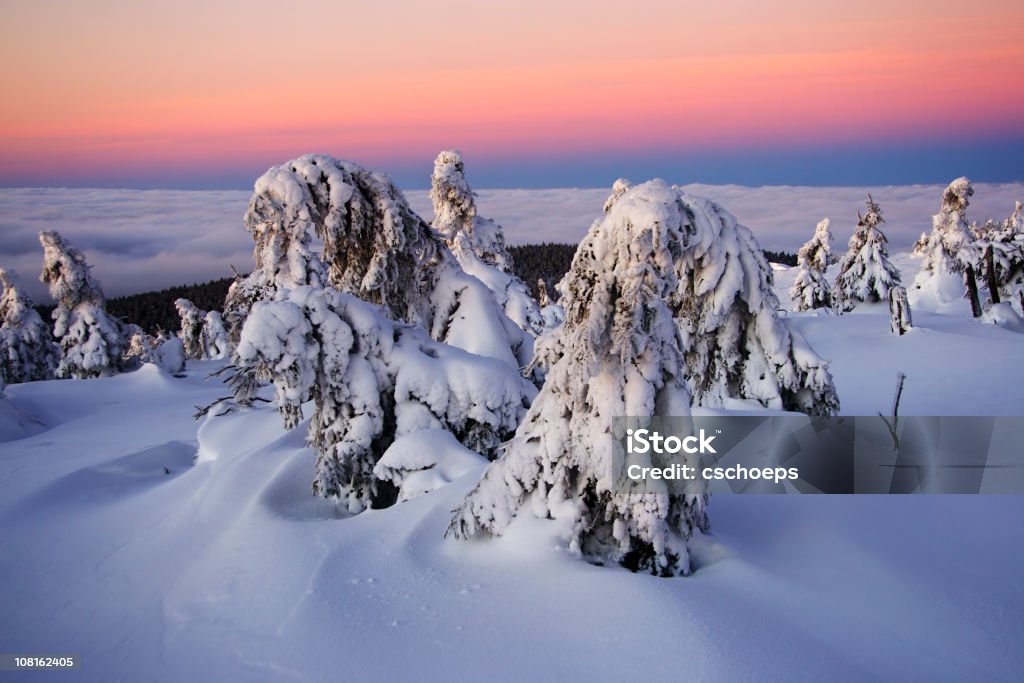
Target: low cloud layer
140, 240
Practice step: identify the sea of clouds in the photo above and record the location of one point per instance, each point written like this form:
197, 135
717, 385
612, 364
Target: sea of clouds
141, 240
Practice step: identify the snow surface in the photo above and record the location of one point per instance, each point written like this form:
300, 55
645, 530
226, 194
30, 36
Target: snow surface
119, 548
954, 365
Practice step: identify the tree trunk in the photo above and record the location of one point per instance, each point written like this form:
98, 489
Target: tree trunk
899, 310
972, 291
990, 275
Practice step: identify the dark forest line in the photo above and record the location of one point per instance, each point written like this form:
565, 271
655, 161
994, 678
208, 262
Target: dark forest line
155, 312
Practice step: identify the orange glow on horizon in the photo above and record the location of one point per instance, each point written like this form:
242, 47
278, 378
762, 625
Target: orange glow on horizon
128, 87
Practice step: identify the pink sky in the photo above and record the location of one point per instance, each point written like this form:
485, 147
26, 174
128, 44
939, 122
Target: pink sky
190, 84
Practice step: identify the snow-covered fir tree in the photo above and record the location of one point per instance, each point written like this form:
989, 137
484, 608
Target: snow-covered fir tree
245, 290
865, 273
941, 277
92, 341
349, 292
551, 312
619, 187
203, 333
668, 302
192, 321
215, 335
319, 221
371, 380
737, 347
140, 347
477, 243
997, 255
811, 288
27, 351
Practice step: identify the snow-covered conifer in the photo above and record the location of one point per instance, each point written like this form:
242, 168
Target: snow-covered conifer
941, 277
215, 335
140, 347
373, 246
27, 351
372, 380
551, 312
619, 188
865, 272
477, 243
92, 341
997, 255
920, 246
192, 321
244, 291
668, 302
811, 289
202, 333
453, 200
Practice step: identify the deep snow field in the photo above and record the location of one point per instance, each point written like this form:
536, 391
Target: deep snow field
159, 548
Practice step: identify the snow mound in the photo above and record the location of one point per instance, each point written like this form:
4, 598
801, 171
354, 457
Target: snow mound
15, 422
426, 460
124, 476
1004, 316
169, 356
